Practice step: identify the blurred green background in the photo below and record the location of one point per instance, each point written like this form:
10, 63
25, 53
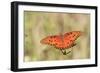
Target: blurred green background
38, 25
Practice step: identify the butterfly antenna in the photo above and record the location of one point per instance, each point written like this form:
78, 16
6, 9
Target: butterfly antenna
68, 52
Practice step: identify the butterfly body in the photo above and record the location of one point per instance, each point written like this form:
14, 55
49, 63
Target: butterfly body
62, 41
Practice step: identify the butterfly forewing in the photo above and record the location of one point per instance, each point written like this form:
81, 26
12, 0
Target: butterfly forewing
51, 40
69, 38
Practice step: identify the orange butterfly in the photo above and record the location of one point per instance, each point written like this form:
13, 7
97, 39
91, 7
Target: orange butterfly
62, 42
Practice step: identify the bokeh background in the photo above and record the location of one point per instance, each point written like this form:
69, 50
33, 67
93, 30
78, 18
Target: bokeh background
38, 25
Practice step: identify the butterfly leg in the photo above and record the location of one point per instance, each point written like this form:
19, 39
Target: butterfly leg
63, 51
70, 47
68, 52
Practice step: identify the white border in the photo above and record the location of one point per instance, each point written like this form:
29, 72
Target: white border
21, 64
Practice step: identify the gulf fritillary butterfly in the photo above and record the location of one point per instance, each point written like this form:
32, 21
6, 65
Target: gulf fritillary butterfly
62, 42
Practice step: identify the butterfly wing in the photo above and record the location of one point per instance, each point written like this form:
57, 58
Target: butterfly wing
69, 38
51, 40
62, 41
56, 41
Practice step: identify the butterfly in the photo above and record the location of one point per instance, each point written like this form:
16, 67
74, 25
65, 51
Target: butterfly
62, 42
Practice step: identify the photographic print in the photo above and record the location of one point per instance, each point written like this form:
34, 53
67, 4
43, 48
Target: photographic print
53, 36
56, 36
